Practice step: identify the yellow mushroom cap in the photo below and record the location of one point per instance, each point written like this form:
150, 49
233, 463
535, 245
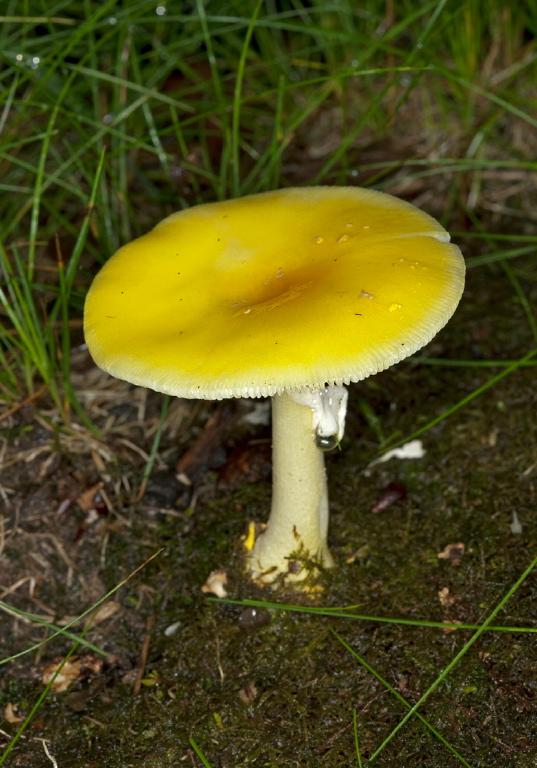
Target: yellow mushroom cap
276, 291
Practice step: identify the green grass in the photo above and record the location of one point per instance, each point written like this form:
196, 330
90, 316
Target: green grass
113, 116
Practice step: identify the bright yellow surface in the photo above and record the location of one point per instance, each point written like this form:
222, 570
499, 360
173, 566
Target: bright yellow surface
279, 290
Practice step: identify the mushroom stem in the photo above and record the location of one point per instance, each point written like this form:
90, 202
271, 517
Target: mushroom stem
298, 521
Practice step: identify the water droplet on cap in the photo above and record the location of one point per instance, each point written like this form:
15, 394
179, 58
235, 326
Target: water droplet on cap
343, 239
318, 239
394, 307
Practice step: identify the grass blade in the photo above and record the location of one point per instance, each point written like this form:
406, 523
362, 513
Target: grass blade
457, 658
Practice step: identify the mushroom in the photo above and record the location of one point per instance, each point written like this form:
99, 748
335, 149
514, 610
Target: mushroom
288, 294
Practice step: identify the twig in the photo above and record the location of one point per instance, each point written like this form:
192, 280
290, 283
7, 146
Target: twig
143, 655
50, 757
24, 402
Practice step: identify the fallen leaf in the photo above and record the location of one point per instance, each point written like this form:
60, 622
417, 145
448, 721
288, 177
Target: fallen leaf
411, 450
105, 611
9, 714
71, 671
207, 451
68, 674
445, 598
389, 495
216, 583
86, 500
247, 463
453, 552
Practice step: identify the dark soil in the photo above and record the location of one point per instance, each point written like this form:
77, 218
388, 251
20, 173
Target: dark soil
279, 688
